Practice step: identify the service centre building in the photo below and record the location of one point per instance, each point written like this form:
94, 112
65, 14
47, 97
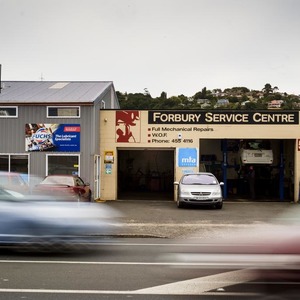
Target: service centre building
144, 152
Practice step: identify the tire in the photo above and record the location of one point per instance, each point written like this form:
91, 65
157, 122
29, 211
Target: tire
219, 205
179, 204
90, 197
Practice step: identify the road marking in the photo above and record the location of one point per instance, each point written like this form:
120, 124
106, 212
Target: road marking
256, 224
186, 287
61, 291
98, 262
95, 292
83, 262
182, 264
200, 285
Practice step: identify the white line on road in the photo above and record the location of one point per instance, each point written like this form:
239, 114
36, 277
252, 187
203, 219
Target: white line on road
182, 264
95, 292
256, 224
187, 287
200, 285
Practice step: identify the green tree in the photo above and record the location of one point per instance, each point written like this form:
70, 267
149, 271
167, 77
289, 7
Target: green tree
268, 89
239, 98
201, 95
135, 101
163, 95
261, 104
250, 105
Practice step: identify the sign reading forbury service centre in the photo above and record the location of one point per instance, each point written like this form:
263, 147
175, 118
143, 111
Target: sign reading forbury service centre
221, 117
184, 126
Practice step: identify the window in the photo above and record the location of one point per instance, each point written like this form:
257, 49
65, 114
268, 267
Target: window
62, 164
63, 112
8, 111
15, 163
199, 179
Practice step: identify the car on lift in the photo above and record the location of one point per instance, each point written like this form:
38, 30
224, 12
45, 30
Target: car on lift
201, 188
255, 152
67, 187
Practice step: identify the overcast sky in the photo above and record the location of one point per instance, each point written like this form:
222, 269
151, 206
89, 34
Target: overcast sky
176, 46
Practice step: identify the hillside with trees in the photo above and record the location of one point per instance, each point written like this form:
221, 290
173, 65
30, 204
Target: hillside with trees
234, 98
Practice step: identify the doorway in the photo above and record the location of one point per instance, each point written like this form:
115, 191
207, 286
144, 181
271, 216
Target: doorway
97, 171
273, 182
146, 174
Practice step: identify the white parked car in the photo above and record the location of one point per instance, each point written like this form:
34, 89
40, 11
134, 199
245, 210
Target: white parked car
200, 189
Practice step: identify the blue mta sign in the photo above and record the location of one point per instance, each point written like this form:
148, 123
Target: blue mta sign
187, 157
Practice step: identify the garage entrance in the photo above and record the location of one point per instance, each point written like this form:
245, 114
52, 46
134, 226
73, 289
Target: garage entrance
145, 174
273, 181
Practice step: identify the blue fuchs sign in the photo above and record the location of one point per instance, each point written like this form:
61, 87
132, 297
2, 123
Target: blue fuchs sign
53, 137
187, 157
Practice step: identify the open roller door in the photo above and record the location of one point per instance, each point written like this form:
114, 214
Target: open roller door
146, 174
274, 179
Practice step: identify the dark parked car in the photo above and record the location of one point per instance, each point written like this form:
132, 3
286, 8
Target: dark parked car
68, 187
199, 188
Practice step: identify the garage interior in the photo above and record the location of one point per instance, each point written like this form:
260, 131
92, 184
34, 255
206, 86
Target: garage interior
148, 174
273, 182
145, 174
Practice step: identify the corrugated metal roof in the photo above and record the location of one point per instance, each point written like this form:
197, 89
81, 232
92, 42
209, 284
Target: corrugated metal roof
52, 91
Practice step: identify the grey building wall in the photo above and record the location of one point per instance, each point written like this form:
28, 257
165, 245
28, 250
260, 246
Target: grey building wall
12, 130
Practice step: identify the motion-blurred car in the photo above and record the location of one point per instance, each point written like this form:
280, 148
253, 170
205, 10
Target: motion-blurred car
269, 253
200, 189
14, 181
67, 187
32, 222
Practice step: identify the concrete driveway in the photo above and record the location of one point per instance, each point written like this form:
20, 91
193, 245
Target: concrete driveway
163, 219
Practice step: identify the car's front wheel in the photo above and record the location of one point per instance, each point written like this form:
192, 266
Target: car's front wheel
219, 205
90, 197
179, 203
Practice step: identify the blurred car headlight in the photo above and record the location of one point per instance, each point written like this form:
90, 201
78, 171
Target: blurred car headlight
216, 194
184, 193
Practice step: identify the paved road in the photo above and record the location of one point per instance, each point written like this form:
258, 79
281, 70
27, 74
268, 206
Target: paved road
125, 269
136, 262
